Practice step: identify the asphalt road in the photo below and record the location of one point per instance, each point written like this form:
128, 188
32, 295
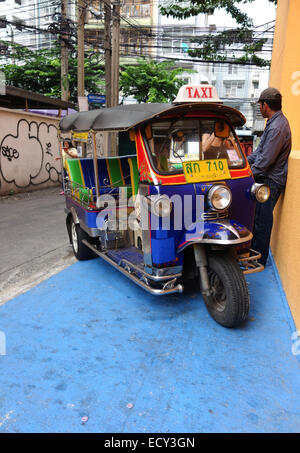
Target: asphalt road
33, 240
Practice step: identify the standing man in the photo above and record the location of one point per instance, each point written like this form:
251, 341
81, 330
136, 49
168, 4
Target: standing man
269, 164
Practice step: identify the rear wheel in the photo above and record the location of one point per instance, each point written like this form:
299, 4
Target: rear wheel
80, 250
229, 301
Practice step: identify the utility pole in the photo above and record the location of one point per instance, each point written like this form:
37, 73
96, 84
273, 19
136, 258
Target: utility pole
107, 50
80, 60
115, 65
64, 77
115, 60
12, 43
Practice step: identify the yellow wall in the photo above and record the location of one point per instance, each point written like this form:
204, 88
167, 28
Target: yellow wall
285, 75
286, 237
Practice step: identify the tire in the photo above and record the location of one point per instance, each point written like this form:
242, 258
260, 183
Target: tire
80, 250
229, 304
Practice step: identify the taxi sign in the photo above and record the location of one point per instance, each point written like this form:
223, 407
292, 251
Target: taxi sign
197, 93
206, 170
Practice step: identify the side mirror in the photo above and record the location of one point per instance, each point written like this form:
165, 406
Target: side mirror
222, 129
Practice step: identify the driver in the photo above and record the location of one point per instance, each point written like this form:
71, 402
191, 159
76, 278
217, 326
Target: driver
178, 140
213, 145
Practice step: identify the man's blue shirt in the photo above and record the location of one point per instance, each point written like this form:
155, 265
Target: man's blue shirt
270, 159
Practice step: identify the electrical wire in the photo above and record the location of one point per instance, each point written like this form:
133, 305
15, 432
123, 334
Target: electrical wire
141, 31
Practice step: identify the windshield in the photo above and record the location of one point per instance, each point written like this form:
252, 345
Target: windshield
173, 142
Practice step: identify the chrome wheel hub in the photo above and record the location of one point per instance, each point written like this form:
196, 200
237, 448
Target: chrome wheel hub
74, 237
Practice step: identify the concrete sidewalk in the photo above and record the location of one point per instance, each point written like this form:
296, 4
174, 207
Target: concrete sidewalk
88, 342
34, 240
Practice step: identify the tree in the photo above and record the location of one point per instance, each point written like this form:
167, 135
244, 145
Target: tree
212, 47
151, 81
39, 71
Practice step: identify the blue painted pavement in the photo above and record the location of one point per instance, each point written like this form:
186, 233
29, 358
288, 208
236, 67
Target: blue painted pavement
89, 343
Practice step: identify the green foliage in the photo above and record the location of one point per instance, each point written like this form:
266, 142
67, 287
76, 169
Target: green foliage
182, 10
151, 81
217, 47
211, 47
39, 71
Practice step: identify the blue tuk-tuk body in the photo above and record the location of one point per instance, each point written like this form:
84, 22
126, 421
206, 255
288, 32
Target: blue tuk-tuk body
180, 210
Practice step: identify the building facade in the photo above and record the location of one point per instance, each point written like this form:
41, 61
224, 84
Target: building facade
238, 85
14, 15
138, 21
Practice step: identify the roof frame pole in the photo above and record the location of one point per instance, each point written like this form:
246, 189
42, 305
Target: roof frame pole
96, 173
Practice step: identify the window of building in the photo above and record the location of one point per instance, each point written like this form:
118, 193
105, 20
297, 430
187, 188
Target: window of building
145, 10
233, 88
232, 69
19, 2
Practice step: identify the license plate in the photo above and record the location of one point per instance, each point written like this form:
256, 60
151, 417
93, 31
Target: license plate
206, 170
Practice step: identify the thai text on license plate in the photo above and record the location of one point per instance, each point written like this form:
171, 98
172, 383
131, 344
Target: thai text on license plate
206, 170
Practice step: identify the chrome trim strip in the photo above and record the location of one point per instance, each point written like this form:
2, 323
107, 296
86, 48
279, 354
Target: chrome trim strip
211, 215
217, 242
153, 291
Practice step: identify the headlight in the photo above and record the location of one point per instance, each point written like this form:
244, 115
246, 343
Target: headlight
219, 197
261, 192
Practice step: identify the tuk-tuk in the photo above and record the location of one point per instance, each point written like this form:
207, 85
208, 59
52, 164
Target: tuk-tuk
177, 208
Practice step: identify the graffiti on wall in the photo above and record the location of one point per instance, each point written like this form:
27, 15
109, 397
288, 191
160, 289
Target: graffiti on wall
28, 154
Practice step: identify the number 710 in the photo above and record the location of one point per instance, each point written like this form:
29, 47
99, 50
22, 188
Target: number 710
217, 165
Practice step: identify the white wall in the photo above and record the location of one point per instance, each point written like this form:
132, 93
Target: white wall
28, 151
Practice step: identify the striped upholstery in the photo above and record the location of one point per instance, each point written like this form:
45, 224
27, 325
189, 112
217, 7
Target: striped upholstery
134, 174
74, 170
87, 166
78, 185
113, 173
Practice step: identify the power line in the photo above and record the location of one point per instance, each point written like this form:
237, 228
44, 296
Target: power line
141, 31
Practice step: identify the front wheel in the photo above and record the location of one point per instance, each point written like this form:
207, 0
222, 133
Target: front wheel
229, 301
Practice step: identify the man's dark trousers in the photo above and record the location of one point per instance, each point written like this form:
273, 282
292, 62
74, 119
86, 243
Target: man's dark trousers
263, 221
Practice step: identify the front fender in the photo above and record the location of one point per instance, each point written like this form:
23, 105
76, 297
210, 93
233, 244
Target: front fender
219, 232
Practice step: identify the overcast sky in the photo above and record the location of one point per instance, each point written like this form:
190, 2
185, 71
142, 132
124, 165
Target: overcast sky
261, 11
